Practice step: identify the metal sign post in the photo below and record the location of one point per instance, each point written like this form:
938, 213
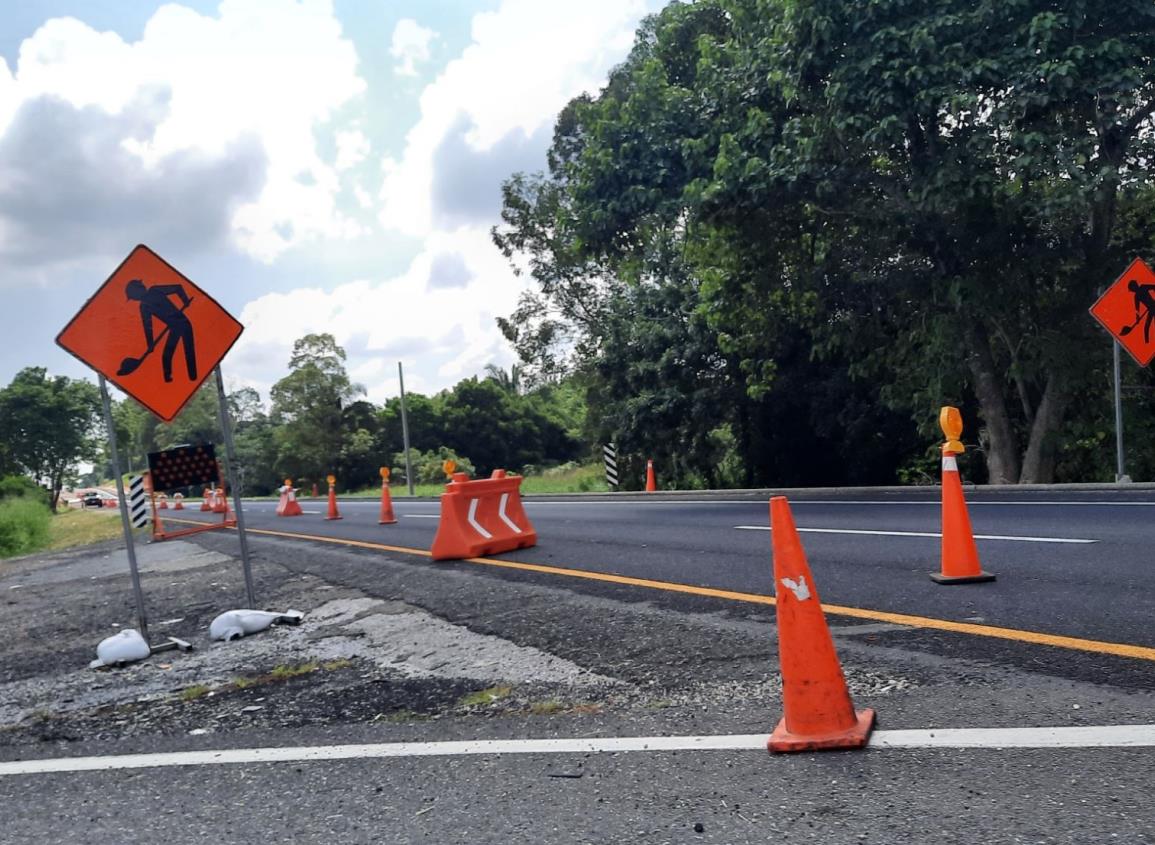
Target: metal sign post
405, 431
231, 456
1120, 472
141, 618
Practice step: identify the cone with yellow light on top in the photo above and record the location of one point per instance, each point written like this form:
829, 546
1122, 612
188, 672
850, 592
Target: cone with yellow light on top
819, 714
960, 557
333, 514
387, 517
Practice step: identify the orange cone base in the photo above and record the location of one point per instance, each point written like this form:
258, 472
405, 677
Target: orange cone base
939, 578
334, 517
784, 742
386, 521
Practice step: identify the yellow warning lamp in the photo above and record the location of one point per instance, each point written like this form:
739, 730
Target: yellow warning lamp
449, 467
332, 479
951, 423
384, 473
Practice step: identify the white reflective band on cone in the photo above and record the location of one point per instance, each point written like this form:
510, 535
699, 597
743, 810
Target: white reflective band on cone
949, 464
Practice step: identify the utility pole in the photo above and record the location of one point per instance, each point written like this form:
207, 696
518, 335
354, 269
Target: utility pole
405, 431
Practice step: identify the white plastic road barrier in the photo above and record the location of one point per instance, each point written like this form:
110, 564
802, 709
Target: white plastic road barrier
234, 624
126, 647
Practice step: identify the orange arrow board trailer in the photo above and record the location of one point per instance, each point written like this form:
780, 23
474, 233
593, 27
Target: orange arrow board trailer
1127, 311
151, 332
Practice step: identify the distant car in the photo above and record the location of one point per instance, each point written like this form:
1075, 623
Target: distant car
93, 500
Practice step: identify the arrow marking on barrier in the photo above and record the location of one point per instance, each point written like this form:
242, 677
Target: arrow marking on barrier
502, 514
800, 590
473, 519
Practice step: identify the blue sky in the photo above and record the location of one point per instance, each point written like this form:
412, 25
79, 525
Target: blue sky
315, 165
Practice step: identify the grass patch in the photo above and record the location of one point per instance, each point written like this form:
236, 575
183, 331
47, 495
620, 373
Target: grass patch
24, 525
546, 708
194, 692
485, 696
284, 671
81, 528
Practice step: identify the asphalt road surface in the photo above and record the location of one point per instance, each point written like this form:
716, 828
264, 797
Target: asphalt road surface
1070, 564
643, 620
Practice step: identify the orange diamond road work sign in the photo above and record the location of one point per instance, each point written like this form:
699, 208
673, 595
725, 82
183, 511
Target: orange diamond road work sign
152, 333
1127, 311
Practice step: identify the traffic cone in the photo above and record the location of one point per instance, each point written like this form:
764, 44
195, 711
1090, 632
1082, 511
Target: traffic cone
819, 713
178, 501
207, 501
288, 505
387, 517
162, 501
314, 489
960, 557
332, 514
220, 501
651, 482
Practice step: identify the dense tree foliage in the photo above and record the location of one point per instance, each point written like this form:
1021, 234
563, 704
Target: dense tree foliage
317, 426
779, 212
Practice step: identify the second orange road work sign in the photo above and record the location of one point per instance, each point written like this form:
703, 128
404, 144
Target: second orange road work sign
1127, 311
152, 333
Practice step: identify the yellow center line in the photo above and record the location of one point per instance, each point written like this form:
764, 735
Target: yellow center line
1034, 637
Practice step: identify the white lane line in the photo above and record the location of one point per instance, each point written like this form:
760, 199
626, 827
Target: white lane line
799, 502
1102, 736
920, 534
1108, 736
763, 502
421, 515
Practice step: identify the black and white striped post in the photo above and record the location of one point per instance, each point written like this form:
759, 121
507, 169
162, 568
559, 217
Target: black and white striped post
610, 452
137, 502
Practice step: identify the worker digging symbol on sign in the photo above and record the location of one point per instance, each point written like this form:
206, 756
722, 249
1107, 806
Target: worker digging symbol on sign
1144, 308
155, 303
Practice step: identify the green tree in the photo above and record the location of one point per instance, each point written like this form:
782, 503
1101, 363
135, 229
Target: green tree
910, 202
308, 406
49, 425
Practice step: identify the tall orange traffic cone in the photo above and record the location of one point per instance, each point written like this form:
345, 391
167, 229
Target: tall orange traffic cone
819, 713
387, 517
960, 557
332, 514
651, 482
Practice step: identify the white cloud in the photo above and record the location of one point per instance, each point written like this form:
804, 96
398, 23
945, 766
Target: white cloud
352, 148
270, 70
489, 94
442, 334
410, 46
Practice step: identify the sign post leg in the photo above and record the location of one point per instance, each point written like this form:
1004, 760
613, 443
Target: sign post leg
231, 455
405, 430
141, 618
1120, 472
